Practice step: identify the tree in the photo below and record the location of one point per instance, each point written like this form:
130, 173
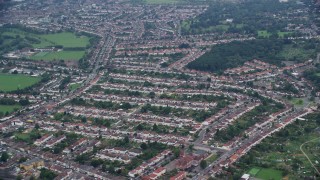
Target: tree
203, 164
152, 95
46, 174
191, 147
4, 157
126, 140
144, 146
140, 127
23, 159
96, 162
155, 127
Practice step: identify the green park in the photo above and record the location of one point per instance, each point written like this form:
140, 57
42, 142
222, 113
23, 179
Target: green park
12, 82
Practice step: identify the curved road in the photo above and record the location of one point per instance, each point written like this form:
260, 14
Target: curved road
307, 155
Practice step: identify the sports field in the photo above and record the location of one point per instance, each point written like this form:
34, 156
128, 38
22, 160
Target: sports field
74, 45
65, 39
8, 108
11, 82
265, 173
61, 55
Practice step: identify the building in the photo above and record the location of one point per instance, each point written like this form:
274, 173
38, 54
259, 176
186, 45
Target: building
43, 139
180, 176
185, 162
31, 164
245, 177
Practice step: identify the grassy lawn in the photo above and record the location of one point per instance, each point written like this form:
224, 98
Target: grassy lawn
185, 25
264, 34
11, 82
8, 108
74, 86
312, 150
64, 39
61, 55
212, 158
290, 52
254, 171
267, 174
282, 34
22, 137
297, 101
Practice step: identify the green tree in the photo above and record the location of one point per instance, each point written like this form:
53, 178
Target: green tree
144, 146
203, 164
46, 174
4, 157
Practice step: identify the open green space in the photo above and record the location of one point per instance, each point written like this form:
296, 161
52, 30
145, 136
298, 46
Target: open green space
254, 171
264, 34
40, 54
11, 82
28, 137
283, 34
297, 101
223, 27
265, 173
65, 39
212, 158
280, 155
65, 55
73, 45
8, 108
22, 136
74, 86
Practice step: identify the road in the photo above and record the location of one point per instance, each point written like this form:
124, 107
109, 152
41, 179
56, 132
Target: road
301, 149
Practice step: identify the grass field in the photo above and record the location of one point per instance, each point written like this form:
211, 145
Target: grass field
254, 171
222, 27
22, 137
41, 54
11, 82
61, 55
8, 108
74, 86
267, 174
65, 39
292, 52
282, 34
297, 101
264, 34
212, 158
